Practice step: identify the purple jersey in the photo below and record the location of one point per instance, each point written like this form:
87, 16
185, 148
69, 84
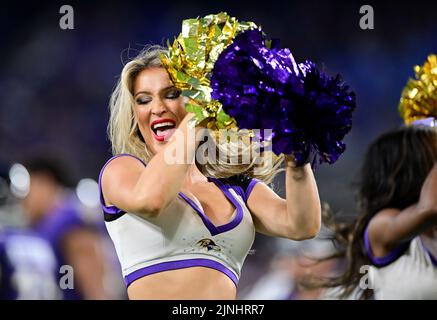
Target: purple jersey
28, 268
66, 217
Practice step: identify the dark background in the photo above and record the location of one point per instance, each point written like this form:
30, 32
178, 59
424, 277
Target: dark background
55, 84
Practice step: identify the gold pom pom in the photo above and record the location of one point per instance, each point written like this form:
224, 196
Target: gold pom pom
191, 60
419, 97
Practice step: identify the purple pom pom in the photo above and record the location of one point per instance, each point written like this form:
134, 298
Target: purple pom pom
309, 113
327, 115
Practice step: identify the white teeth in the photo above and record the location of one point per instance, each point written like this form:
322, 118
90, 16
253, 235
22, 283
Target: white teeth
163, 124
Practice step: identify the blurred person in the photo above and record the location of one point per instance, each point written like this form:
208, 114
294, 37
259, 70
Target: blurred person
178, 233
290, 267
27, 261
28, 266
306, 264
55, 213
391, 248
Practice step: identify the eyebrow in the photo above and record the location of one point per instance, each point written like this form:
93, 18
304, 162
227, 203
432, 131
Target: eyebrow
147, 92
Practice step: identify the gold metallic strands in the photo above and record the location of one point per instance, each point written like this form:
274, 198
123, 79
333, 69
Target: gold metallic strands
419, 97
191, 60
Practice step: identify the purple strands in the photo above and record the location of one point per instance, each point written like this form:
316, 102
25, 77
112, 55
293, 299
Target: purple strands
262, 88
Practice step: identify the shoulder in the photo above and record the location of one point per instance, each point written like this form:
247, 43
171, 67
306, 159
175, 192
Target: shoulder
118, 165
380, 221
122, 161
375, 233
122, 169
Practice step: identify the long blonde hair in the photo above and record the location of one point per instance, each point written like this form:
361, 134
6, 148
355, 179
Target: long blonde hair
125, 136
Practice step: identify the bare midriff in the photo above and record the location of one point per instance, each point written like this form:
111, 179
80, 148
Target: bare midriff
195, 283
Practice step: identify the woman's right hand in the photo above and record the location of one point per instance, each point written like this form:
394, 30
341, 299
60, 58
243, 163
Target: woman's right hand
391, 227
428, 194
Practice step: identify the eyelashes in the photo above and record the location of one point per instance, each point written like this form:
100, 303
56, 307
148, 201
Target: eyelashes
172, 95
142, 101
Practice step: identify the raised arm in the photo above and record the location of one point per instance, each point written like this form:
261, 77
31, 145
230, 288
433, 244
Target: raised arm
391, 227
133, 187
297, 217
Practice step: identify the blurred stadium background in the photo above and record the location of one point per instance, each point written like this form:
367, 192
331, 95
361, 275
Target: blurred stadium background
55, 86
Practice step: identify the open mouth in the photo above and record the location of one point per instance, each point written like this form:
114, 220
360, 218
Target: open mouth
162, 129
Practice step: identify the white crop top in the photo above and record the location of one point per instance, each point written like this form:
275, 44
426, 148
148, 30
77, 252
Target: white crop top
182, 236
407, 273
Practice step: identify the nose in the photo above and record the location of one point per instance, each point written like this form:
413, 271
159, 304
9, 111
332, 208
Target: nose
158, 108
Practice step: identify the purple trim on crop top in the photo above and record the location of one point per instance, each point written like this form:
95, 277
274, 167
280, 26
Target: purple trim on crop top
214, 230
112, 209
249, 189
387, 259
180, 264
430, 255
244, 194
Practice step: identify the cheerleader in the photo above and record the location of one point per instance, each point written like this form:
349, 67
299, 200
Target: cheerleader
178, 233
391, 249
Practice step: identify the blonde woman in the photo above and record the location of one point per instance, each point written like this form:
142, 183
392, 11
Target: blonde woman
178, 233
